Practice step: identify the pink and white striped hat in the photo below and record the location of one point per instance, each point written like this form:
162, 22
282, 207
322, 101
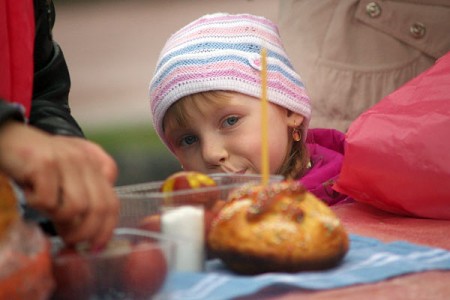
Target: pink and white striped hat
222, 52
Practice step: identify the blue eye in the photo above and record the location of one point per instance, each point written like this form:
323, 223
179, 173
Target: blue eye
188, 140
230, 121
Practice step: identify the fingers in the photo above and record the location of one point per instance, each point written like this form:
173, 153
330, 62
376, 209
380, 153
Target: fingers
90, 207
70, 179
105, 163
95, 223
41, 188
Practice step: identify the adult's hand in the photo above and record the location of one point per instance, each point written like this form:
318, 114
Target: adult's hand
69, 179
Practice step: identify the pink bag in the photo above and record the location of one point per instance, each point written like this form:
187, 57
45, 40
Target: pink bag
397, 156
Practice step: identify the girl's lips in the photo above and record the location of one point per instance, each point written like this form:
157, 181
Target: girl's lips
240, 172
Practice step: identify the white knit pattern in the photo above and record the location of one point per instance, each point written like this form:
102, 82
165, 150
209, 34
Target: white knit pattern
222, 52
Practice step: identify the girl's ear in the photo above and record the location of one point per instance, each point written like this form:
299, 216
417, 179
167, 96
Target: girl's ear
294, 120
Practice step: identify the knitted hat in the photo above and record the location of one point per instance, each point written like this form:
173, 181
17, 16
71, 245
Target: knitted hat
222, 52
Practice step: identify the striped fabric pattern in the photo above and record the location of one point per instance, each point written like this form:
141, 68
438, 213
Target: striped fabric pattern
222, 52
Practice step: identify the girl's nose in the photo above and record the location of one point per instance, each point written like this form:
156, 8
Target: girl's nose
214, 153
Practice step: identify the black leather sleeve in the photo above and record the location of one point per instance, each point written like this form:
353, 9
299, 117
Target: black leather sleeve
50, 109
9, 111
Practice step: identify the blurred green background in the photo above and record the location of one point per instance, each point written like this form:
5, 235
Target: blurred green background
139, 154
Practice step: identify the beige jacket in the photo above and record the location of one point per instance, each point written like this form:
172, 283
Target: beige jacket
352, 53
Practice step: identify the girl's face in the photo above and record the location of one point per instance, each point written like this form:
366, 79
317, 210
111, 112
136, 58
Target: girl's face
225, 136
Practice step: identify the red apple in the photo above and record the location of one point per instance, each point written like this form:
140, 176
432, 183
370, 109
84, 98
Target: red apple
151, 223
73, 275
108, 265
217, 206
185, 180
210, 215
190, 180
144, 270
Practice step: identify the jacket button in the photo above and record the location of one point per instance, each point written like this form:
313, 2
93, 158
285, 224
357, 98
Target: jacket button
373, 9
417, 30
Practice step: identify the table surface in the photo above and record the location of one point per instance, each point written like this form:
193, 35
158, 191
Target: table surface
366, 220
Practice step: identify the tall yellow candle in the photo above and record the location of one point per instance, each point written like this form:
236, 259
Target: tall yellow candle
264, 120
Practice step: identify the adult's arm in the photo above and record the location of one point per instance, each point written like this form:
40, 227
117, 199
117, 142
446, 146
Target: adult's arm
50, 109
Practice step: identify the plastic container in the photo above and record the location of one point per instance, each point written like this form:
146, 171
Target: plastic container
134, 266
25, 266
184, 215
144, 199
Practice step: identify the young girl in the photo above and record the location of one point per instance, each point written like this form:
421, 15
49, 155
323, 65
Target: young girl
205, 101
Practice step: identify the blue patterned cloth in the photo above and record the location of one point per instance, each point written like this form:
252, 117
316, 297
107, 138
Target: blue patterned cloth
368, 260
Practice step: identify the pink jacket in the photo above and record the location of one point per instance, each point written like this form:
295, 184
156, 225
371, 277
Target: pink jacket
326, 149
